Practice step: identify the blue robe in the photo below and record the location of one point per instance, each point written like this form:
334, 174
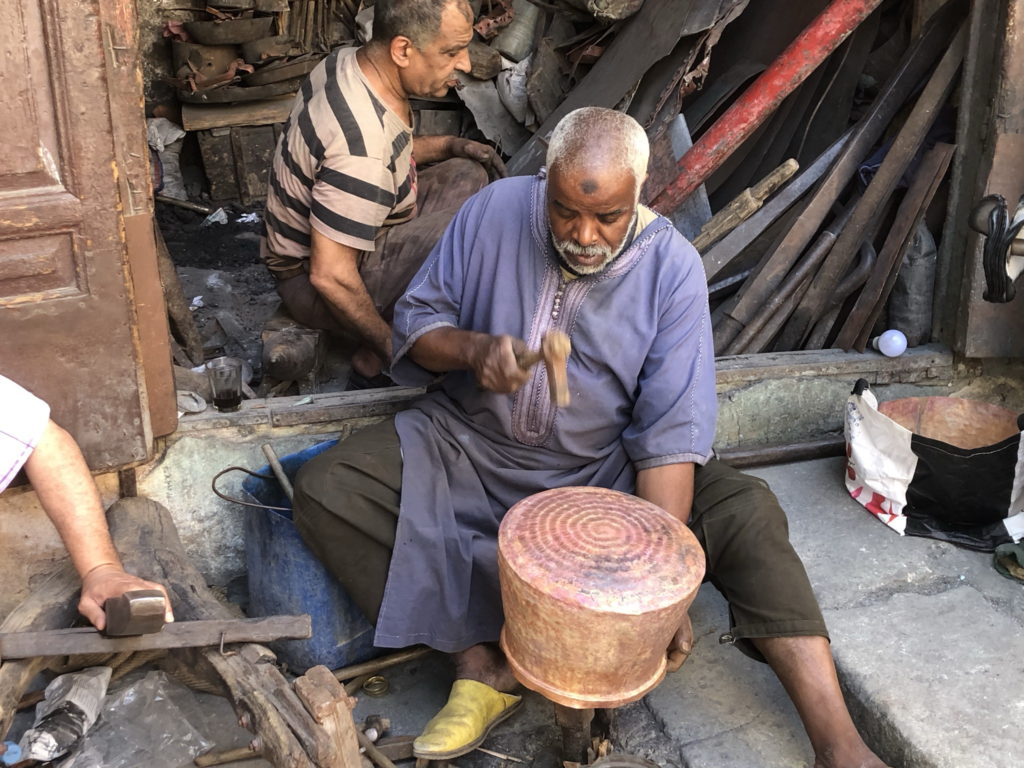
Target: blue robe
641, 374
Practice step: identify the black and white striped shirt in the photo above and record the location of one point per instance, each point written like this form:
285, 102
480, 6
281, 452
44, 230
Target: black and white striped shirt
343, 165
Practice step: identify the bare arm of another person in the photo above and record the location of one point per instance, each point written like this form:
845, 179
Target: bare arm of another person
334, 272
434, 149
66, 490
491, 358
670, 486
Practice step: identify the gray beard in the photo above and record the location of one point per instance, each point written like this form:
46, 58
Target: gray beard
566, 248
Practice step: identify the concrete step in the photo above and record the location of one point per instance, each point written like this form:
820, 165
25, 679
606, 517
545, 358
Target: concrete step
927, 639
927, 636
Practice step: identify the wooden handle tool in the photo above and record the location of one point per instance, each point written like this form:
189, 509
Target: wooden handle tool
554, 350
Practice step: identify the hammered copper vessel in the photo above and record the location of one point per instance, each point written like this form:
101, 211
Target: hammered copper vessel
967, 424
595, 584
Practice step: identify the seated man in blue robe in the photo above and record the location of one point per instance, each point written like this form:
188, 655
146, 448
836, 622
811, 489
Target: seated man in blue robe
406, 512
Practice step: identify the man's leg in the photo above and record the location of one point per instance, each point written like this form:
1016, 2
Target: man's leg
775, 616
346, 509
441, 191
804, 666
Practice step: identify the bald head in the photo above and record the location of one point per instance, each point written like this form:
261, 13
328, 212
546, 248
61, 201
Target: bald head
595, 138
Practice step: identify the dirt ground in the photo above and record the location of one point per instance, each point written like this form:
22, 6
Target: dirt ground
232, 293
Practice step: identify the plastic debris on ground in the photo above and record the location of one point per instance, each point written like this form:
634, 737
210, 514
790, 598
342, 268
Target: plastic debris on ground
149, 722
248, 218
220, 216
67, 712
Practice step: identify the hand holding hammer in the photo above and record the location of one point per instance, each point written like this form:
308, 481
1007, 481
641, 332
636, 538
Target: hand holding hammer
554, 351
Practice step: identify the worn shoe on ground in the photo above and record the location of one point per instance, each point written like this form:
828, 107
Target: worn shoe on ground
463, 723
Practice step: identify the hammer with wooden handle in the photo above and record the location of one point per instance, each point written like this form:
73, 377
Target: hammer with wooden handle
554, 351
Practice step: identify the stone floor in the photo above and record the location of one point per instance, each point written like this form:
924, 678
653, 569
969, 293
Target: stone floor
927, 638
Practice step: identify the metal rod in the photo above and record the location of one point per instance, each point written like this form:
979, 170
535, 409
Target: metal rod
917, 61
792, 67
820, 296
369, 667
184, 204
378, 757
275, 465
780, 454
780, 298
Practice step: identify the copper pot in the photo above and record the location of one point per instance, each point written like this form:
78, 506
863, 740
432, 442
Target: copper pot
595, 584
967, 424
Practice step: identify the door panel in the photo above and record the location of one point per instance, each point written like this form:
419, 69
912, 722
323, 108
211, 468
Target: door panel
68, 329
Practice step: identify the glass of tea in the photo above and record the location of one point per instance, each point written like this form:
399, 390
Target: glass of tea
225, 374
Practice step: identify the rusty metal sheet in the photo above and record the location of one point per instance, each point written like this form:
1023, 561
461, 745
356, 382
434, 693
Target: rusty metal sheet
645, 38
67, 327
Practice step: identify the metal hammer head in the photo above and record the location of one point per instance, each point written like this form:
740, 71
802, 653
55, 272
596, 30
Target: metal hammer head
136, 612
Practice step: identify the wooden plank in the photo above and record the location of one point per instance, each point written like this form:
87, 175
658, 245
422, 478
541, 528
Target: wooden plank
917, 61
743, 206
151, 319
931, 361
915, 202
820, 297
730, 246
201, 117
326, 701
254, 154
184, 634
305, 409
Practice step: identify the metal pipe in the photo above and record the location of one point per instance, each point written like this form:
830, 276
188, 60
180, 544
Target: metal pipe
792, 67
916, 63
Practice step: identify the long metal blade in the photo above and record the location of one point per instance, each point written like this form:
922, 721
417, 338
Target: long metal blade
183, 634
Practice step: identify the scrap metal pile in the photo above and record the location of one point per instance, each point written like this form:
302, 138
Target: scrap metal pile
822, 136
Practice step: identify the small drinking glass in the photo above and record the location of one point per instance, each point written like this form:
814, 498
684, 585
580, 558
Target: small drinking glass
225, 374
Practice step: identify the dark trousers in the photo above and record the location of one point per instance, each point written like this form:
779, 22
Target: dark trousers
347, 501
399, 251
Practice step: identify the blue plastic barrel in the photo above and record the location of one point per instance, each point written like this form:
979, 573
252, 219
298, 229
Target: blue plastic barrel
285, 577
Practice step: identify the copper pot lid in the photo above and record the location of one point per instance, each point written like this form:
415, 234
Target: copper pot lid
602, 550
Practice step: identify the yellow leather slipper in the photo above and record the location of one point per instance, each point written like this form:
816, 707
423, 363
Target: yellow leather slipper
463, 723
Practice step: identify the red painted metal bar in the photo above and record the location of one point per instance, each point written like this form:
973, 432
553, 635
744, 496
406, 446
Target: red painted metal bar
791, 68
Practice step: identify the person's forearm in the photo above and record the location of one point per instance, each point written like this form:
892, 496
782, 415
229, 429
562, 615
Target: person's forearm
68, 494
669, 486
447, 349
431, 149
353, 306
334, 274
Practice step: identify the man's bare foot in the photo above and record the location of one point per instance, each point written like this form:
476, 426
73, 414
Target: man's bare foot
682, 645
486, 664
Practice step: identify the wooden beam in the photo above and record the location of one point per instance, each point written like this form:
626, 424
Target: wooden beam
201, 117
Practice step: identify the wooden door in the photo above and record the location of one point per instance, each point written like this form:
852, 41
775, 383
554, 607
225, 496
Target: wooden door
71, 183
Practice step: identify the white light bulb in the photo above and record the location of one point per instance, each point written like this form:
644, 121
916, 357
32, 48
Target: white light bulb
891, 343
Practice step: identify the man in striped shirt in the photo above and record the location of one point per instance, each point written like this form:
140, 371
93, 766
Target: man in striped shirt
348, 221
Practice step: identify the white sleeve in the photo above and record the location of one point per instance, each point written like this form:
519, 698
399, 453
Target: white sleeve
23, 417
